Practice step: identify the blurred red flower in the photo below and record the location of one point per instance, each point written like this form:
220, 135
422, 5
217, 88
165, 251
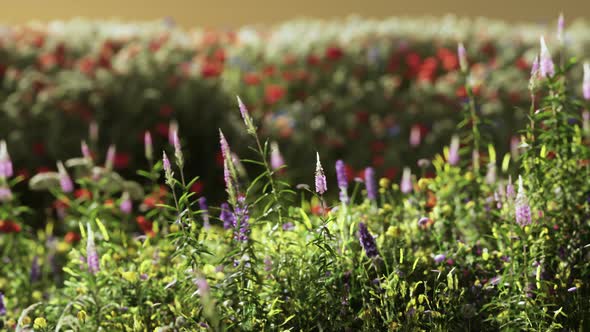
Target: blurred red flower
273, 93
334, 53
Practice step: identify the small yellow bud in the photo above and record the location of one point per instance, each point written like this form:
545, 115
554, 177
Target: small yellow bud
37, 295
174, 228
82, 315
130, 276
40, 323
63, 247
423, 183
26, 321
469, 176
384, 183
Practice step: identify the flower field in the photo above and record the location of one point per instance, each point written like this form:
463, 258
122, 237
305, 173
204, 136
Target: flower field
405, 174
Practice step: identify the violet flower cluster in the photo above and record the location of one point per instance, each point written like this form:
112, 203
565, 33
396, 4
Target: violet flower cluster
367, 241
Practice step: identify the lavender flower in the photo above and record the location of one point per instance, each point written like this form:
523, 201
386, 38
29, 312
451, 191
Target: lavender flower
177, 149
367, 241
204, 211
110, 159
64, 179
241, 226
422, 222
560, 28
167, 168
276, 158
226, 216
172, 131
586, 83
491, 174
5, 162
35, 273
462, 54
545, 62
203, 287
510, 193
320, 178
93, 132
126, 205
5, 194
86, 151
439, 258
572, 289
370, 183
91, 253
534, 73
2, 305
342, 181
246, 116
522, 207
228, 168
148, 146
415, 136
406, 183
453, 157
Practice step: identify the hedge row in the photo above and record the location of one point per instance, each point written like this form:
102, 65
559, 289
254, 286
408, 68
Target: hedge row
385, 93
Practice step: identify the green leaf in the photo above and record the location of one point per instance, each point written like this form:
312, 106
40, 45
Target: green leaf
306, 219
102, 229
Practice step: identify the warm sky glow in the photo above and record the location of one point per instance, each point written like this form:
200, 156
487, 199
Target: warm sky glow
227, 13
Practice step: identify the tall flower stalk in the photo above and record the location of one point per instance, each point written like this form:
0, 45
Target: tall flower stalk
263, 152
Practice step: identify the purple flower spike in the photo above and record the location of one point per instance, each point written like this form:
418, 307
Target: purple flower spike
204, 212
64, 179
370, 183
546, 63
510, 193
5, 194
406, 183
342, 181
93, 132
241, 226
586, 83
177, 149
203, 287
276, 158
560, 28
227, 163
415, 136
91, 253
320, 178
454, 151
172, 131
148, 146
86, 151
522, 207
462, 54
6, 170
126, 205
2, 305
167, 168
110, 160
367, 241
226, 216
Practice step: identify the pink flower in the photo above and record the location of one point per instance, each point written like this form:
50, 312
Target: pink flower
320, 178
